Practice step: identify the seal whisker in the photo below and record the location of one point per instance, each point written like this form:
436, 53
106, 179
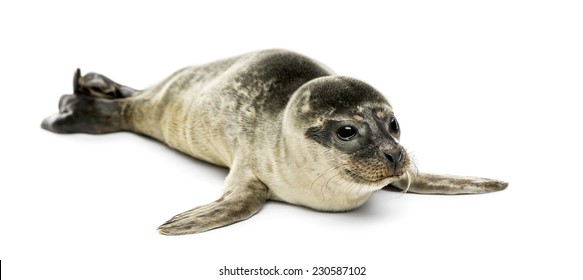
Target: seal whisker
408, 182
320, 176
329, 189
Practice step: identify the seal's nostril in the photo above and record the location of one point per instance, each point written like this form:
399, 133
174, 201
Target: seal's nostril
390, 158
395, 158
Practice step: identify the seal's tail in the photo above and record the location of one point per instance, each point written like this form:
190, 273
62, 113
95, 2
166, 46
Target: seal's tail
96, 106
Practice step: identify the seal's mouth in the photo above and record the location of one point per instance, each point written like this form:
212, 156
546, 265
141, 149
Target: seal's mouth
356, 177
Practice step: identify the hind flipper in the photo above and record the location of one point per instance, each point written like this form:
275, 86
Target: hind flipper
78, 113
99, 86
96, 106
240, 201
425, 183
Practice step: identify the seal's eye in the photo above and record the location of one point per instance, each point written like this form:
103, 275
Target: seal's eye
394, 125
346, 133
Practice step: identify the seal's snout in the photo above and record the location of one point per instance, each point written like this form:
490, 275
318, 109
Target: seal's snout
395, 159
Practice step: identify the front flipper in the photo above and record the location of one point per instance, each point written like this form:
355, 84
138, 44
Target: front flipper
425, 183
240, 201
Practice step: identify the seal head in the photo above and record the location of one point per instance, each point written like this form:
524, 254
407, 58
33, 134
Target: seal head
349, 130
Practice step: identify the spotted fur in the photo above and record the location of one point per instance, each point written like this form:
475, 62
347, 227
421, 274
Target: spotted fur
271, 117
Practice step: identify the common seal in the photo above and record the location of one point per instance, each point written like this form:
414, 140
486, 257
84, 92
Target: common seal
286, 126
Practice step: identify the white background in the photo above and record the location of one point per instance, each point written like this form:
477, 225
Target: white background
489, 89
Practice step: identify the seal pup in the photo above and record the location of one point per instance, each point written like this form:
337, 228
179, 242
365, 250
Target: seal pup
286, 126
